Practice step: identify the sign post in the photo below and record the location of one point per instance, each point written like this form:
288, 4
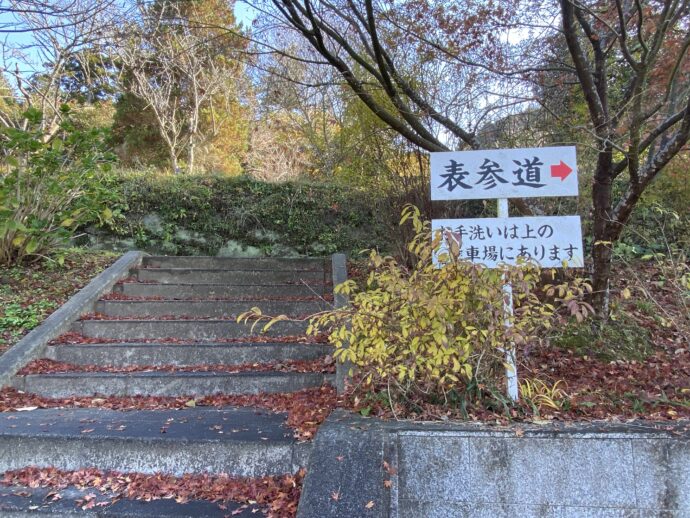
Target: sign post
550, 241
511, 363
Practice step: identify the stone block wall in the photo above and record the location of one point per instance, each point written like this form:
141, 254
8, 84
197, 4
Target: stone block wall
569, 474
368, 467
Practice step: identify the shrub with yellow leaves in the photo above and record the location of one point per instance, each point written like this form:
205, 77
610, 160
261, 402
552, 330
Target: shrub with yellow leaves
436, 331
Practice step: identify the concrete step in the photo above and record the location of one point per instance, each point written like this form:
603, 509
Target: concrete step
216, 291
23, 502
172, 384
238, 263
129, 354
236, 441
199, 330
206, 276
205, 308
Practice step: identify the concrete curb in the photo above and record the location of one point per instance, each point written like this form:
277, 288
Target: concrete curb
405, 469
32, 345
339, 272
346, 475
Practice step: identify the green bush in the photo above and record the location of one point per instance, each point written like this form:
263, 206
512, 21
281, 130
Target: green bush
660, 223
654, 231
49, 187
622, 339
204, 214
17, 317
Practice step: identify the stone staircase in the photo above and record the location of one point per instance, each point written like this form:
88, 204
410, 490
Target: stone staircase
169, 331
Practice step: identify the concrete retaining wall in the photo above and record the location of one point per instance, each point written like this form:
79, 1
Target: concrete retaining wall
570, 474
441, 471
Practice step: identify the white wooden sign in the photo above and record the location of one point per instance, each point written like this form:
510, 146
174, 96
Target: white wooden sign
504, 173
547, 240
550, 241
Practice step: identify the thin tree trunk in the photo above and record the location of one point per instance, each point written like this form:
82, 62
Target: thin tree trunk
191, 156
602, 248
173, 161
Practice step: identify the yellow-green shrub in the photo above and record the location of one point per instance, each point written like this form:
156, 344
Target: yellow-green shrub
434, 332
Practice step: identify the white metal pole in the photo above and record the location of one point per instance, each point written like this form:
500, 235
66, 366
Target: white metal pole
511, 364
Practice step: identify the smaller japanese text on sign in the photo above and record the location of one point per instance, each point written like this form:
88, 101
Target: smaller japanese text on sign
547, 240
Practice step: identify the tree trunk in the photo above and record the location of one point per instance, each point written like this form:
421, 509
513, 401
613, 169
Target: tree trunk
191, 156
601, 259
604, 232
173, 161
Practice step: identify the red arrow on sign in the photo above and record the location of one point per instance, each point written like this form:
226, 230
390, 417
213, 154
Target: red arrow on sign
561, 170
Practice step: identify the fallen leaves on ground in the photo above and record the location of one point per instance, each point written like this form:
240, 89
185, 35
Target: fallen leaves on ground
77, 339
256, 261
133, 279
47, 366
35, 290
307, 409
657, 286
123, 297
307, 282
657, 388
229, 318
277, 495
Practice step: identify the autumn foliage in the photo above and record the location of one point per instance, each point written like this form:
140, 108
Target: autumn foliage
278, 495
438, 334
